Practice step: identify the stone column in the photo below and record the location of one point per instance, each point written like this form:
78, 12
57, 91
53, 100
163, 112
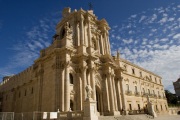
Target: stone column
77, 34
84, 82
111, 97
85, 34
124, 106
102, 44
67, 89
118, 94
106, 95
114, 91
98, 47
108, 44
105, 44
78, 90
82, 30
92, 80
89, 37
62, 90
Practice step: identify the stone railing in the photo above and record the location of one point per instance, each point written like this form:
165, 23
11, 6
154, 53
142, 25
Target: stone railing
71, 115
174, 110
128, 92
152, 95
75, 115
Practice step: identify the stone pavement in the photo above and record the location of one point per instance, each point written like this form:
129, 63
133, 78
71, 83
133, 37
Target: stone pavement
168, 117
140, 117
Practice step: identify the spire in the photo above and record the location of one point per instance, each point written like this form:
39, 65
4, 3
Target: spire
118, 54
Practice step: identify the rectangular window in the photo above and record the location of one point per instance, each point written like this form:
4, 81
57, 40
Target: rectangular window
159, 81
143, 90
32, 90
150, 77
139, 107
130, 107
133, 71
25, 93
155, 80
140, 73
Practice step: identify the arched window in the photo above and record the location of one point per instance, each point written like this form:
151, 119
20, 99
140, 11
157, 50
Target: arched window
136, 89
62, 33
143, 90
71, 78
148, 91
127, 87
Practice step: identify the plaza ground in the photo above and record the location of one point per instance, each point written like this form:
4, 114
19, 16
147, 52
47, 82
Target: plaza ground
140, 117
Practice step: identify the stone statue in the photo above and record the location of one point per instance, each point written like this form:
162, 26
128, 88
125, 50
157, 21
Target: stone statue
89, 91
68, 29
151, 110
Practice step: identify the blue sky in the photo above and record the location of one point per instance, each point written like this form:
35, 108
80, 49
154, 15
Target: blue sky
147, 32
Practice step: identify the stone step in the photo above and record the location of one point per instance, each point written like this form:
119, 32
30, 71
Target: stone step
127, 117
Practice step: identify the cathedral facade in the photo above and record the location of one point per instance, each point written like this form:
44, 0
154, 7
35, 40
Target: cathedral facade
80, 55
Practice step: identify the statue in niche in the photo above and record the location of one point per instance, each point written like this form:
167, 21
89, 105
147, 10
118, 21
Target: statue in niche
89, 91
68, 29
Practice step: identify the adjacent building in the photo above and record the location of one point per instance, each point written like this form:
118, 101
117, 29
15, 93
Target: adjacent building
80, 55
177, 87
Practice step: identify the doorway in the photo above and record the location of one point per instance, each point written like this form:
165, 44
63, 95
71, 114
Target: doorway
99, 101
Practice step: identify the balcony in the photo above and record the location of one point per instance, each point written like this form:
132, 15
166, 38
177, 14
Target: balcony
128, 92
152, 95
137, 94
159, 96
155, 96
144, 94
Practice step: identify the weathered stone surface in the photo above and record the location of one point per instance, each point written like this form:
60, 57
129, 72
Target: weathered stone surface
80, 54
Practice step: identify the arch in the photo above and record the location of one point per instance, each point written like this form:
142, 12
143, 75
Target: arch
71, 78
72, 75
99, 101
94, 43
62, 33
72, 105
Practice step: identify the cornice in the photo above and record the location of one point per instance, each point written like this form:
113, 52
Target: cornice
136, 66
140, 78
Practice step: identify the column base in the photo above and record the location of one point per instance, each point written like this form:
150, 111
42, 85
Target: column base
90, 118
113, 113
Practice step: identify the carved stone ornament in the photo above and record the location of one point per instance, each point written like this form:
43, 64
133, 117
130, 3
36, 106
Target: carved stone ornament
68, 29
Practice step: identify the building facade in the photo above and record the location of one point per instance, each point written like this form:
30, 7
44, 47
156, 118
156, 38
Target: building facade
80, 55
177, 87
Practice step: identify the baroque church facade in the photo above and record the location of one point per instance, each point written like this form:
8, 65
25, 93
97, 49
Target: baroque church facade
80, 55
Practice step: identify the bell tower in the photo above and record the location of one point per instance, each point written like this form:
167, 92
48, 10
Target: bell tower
82, 31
